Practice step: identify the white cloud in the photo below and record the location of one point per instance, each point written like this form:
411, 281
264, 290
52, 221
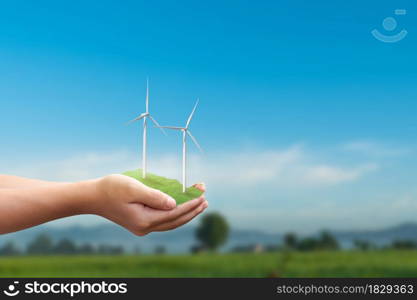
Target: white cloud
291, 167
330, 175
375, 212
375, 149
79, 167
234, 178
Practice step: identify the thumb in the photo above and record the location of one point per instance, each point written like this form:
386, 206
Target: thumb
156, 199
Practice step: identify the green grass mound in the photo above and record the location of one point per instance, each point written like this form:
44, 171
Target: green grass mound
171, 187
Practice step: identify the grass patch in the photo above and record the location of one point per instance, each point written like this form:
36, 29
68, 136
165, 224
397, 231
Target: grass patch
300, 264
171, 187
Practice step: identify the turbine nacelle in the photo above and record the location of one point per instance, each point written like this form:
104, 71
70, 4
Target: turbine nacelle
185, 129
148, 115
140, 117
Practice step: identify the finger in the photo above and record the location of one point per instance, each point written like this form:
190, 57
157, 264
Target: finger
182, 220
200, 186
157, 217
154, 198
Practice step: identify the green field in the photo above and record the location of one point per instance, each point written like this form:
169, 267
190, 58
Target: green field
171, 187
311, 264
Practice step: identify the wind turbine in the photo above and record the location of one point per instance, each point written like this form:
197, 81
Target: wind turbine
145, 116
185, 131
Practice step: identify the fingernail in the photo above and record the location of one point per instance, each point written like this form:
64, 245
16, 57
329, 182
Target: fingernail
200, 186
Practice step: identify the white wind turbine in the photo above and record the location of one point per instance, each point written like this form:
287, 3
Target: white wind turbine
145, 116
185, 131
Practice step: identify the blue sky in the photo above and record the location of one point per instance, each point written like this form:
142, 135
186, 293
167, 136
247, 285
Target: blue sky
297, 90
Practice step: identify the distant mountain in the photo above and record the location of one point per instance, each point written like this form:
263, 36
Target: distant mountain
405, 231
180, 240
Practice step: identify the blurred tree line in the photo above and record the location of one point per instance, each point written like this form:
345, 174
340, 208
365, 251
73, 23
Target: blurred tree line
44, 245
325, 241
211, 234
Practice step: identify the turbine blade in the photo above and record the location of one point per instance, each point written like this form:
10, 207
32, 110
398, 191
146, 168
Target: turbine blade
171, 127
140, 117
195, 141
192, 114
157, 125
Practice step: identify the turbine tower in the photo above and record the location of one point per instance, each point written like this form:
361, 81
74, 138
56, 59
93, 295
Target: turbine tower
185, 132
145, 116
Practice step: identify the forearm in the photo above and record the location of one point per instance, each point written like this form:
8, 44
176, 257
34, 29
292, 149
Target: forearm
12, 182
31, 206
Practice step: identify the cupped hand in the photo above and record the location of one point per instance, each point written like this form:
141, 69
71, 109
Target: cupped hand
142, 209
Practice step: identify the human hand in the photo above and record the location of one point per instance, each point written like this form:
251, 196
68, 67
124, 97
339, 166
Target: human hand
142, 209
